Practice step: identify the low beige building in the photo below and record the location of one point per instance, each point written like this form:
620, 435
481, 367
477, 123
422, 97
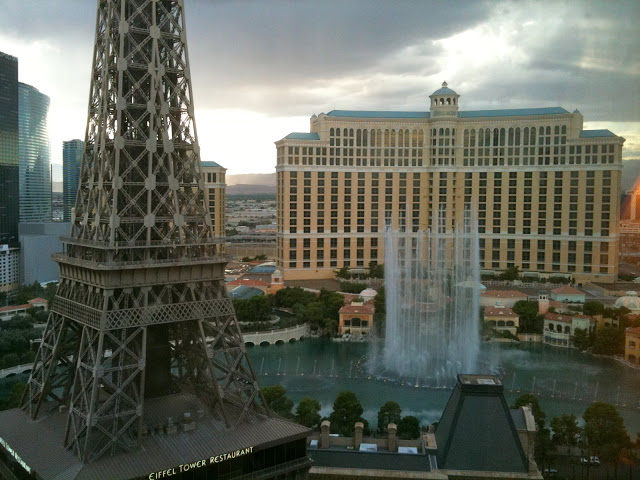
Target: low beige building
356, 318
508, 298
558, 328
502, 319
632, 345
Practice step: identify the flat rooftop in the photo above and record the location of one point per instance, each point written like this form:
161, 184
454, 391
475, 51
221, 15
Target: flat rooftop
40, 443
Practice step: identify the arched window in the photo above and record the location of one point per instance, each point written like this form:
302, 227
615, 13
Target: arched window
532, 138
564, 130
517, 136
379, 138
442, 101
331, 132
556, 130
420, 138
502, 135
441, 132
551, 327
501, 323
510, 323
548, 130
393, 138
473, 137
386, 137
511, 137
454, 101
487, 137
358, 138
337, 132
448, 101
356, 322
466, 137
364, 138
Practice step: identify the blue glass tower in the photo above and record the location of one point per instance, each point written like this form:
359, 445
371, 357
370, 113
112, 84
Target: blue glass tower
8, 149
34, 155
71, 161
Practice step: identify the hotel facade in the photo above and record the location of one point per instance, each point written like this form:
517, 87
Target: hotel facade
544, 190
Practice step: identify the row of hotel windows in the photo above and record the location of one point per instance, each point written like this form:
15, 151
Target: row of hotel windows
515, 198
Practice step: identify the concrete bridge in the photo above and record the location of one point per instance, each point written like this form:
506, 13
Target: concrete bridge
17, 370
285, 335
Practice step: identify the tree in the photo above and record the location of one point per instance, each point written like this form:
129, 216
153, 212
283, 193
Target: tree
290, 296
604, 431
536, 410
409, 428
308, 412
332, 302
581, 339
343, 273
593, 307
609, 341
530, 320
543, 446
376, 270
275, 396
565, 429
347, 410
13, 399
511, 273
390, 412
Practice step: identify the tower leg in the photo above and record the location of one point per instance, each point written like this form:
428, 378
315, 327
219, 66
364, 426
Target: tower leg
50, 377
107, 401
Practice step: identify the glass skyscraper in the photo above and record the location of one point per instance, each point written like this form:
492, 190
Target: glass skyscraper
35, 155
8, 150
71, 161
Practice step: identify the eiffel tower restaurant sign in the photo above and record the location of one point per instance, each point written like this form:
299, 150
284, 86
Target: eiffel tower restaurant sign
185, 467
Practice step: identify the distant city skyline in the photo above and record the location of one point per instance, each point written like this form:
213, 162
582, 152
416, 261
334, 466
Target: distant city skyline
259, 69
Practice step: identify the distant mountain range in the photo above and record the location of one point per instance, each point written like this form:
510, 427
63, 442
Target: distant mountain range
252, 179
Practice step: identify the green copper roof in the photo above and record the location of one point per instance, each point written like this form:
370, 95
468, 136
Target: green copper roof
209, 164
514, 112
510, 112
596, 133
303, 136
377, 114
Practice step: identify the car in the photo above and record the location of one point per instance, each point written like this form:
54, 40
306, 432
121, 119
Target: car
584, 461
594, 461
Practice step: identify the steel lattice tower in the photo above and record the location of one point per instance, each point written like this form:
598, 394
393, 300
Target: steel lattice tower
142, 277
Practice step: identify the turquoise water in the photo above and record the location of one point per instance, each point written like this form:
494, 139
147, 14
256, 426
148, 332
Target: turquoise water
566, 380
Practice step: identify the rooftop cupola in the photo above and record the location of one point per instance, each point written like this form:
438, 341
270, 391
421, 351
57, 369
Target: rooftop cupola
444, 102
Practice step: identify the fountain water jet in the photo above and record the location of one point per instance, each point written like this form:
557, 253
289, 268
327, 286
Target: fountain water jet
432, 289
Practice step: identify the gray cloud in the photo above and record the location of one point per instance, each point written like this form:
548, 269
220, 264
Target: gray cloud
285, 57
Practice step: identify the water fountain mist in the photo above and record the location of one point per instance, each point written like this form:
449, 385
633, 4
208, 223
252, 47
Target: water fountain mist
432, 284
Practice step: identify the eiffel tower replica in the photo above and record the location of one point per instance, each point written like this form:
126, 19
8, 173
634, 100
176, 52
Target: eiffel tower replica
141, 319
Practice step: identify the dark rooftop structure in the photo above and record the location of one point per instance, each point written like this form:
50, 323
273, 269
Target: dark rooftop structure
477, 431
478, 436
170, 444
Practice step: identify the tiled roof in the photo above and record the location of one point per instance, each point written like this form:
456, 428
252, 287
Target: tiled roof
494, 311
504, 294
567, 290
243, 292
557, 317
377, 114
303, 136
11, 308
362, 309
635, 331
597, 133
37, 300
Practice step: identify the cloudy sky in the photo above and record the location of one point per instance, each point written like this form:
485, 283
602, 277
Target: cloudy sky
262, 68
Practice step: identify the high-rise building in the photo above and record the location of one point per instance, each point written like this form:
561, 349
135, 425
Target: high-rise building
71, 160
9, 268
34, 155
9, 171
142, 370
546, 192
215, 188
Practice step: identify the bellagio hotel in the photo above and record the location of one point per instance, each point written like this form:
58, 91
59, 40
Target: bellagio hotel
546, 192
